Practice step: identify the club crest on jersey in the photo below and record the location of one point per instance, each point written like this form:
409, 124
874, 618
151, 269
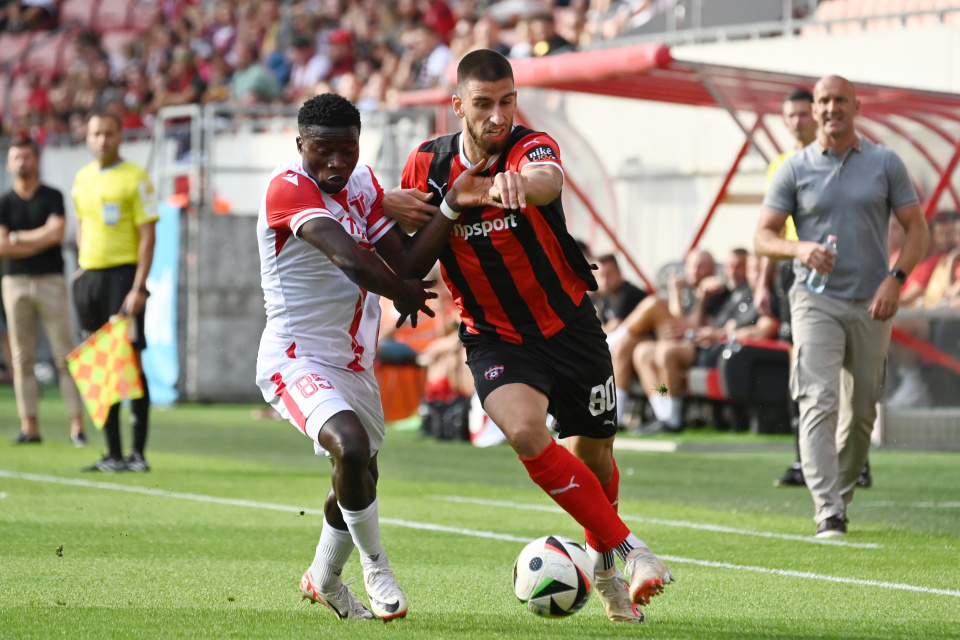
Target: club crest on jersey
493, 372
543, 152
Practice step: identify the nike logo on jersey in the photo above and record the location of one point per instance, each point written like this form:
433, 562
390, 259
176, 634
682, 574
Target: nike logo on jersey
543, 152
292, 179
572, 485
433, 184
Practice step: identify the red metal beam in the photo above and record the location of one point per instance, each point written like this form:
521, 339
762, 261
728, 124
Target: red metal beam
926, 350
903, 133
723, 188
930, 206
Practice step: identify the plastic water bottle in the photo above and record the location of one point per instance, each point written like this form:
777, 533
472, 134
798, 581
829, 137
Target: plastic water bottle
817, 281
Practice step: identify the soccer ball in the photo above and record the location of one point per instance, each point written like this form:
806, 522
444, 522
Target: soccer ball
553, 577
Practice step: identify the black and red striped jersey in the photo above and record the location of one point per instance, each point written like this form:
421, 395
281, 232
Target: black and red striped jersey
516, 275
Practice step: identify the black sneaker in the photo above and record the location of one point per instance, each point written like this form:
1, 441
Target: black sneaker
108, 465
792, 478
832, 527
658, 426
23, 438
866, 479
79, 440
136, 462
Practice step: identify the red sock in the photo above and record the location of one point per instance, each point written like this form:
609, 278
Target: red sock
612, 490
574, 487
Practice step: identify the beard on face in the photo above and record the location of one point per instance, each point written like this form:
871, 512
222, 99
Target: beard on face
488, 147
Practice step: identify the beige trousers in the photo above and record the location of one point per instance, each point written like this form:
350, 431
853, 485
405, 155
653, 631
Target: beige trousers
837, 376
28, 300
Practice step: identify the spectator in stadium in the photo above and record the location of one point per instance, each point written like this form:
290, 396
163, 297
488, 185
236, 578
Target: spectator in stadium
486, 35
532, 336
841, 335
31, 229
667, 360
544, 39
340, 52
692, 300
181, 84
424, 61
307, 68
116, 207
27, 15
615, 297
251, 83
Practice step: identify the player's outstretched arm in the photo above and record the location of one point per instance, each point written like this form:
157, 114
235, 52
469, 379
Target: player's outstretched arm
366, 269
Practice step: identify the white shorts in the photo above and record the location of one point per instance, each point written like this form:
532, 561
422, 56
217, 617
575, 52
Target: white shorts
308, 393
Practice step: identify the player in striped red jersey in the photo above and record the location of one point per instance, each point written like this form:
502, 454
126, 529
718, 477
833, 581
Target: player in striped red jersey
534, 342
325, 246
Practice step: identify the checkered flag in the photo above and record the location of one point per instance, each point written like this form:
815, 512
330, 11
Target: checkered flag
105, 370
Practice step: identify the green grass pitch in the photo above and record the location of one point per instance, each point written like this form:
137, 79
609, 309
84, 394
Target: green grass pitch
211, 543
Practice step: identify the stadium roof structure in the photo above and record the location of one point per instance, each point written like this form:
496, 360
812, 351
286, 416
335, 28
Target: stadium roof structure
650, 72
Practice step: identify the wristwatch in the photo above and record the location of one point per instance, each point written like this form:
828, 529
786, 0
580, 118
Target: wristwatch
899, 275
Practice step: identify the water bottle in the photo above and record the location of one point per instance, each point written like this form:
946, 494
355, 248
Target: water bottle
817, 281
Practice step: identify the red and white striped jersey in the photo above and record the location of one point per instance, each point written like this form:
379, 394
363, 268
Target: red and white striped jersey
313, 309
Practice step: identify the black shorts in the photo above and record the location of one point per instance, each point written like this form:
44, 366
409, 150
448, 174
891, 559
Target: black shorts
709, 357
99, 294
572, 368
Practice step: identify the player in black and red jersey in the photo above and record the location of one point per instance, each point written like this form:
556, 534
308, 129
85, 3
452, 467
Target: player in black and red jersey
533, 339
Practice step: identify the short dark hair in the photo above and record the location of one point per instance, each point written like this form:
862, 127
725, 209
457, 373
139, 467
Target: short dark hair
29, 143
740, 251
105, 113
327, 110
608, 258
944, 217
799, 94
485, 65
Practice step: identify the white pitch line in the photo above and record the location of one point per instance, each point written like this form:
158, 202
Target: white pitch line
33, 477
668, 523
919, 505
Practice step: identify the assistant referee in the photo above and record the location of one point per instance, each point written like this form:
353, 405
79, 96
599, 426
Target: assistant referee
117, 210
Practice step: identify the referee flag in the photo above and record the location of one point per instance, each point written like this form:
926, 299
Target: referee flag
105, 370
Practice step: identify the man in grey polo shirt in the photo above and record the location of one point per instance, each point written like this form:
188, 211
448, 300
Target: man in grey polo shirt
845, 186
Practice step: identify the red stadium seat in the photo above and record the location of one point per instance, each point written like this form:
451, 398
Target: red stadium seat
78, 11
142, 15
113, 15
44, 54
12, 45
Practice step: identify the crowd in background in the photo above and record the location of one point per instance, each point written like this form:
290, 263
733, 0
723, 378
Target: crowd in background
244, 52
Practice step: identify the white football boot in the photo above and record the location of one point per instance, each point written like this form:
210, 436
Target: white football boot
648, 575
387, 601
340, 599
614, 593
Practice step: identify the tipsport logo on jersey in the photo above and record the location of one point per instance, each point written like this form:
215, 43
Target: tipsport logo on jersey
484, 227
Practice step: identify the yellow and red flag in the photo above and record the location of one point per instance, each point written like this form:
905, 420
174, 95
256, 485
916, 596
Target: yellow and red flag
105, 370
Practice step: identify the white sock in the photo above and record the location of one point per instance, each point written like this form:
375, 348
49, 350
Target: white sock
364, 528
602, 561
622, 395
676, 412
333, 551
632, 542
660, 406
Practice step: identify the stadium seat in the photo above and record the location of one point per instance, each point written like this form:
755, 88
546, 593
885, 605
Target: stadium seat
12, 45
80, 11
44, 54
113, 15
142, 15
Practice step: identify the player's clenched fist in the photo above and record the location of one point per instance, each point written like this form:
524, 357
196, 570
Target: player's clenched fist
413, 300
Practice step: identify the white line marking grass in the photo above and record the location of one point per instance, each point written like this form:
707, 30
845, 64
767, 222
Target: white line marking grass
910, 505
668, 523
424, 526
